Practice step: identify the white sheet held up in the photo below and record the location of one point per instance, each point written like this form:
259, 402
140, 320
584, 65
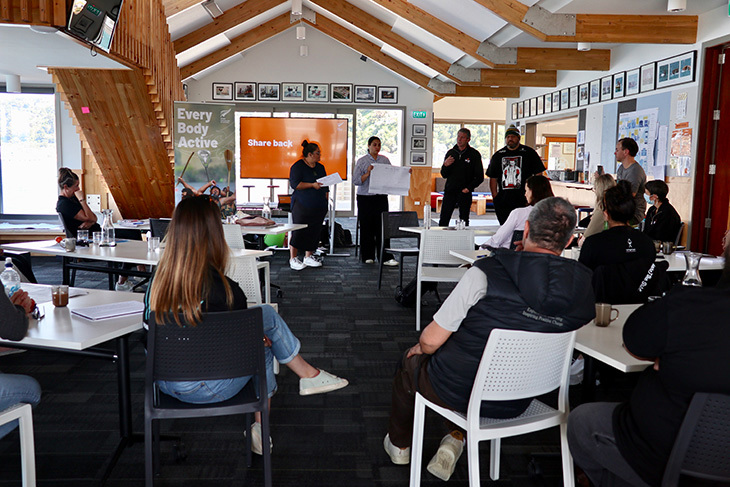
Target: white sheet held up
330, 179
387, 179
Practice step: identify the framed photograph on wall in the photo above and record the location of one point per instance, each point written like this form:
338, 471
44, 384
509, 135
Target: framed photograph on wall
245, 91
533, 107
418, 143
341, 93
364, 94
418, 130
521, 109
514, 111
573, 97
292, 91
606, 87
318, 92
564, 99
418, 158
619, 85
269, 91
676, 70
556, 101
222, 91
527, 108
647, 80
540, 105
595, 91
632, 82
388, 94
548, 103
583, 94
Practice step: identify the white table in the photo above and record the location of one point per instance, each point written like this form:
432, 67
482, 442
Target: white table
141, 225
277, 229
677, 262
478, 231
470, 256
62, 331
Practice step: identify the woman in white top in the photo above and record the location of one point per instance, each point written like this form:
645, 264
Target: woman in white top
536, 188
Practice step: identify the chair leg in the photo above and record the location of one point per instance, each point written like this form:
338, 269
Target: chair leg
400, 270
27, 448
568, 478
156, 447
419, 419
148, 454
472, 456
265, 434
380, 267
418, 305
494, 447
247, 421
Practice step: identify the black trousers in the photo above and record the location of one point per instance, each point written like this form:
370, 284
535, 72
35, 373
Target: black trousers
370, 207
451, 201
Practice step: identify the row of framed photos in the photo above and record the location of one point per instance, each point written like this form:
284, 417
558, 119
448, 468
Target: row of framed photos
656, 75
311, 92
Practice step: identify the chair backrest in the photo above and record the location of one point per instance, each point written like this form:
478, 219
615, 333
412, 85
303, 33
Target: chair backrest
158, 227
224, 345
65, 227
435, 246
234, 236
703, 442
678, 238
393, 220
245, 272
521, 364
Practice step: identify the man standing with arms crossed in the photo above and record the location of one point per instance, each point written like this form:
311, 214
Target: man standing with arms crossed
631, 171
508, 170
463, 171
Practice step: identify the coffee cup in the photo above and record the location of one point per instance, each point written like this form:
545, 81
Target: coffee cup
59, 294
603, 314
658, 246
69, 244
667, 247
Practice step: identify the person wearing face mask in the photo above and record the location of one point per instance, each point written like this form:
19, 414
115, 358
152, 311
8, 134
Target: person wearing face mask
662, 220
508, 170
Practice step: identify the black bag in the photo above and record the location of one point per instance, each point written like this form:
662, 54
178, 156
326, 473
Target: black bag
406, 296
343, 238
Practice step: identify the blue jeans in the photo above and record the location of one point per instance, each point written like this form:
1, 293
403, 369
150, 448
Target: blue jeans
284, 347
15, 389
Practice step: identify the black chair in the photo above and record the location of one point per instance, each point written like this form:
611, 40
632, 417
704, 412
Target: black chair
391, 223
224, 345
703, 442
678, 238
158, 227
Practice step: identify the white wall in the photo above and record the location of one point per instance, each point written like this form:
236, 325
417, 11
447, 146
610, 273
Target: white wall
469, 109
278, 60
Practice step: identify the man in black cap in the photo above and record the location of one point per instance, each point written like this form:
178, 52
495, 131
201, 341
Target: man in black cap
508, 170
463, 171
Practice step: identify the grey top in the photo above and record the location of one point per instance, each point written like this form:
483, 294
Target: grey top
361, 168
635, 175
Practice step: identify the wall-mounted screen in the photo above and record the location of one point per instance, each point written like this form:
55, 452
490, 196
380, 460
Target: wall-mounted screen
269, 146
94, 21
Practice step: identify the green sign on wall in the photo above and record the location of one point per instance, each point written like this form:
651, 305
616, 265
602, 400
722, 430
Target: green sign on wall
419, 114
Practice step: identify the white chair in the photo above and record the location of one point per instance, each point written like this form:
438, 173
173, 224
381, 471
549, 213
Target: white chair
435, 246
234, 239
23, 413
515, 365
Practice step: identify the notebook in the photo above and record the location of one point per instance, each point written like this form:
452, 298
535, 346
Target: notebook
112, 310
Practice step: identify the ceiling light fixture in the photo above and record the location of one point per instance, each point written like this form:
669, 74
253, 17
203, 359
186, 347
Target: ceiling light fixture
12, 83
212, 8
676, 5
301, 32
530, 71
303, 51
296, 7
584, 46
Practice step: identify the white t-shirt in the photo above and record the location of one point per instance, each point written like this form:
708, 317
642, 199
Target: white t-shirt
470, 289
515, 221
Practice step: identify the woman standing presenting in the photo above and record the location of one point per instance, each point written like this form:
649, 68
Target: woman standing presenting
370, 205
308, 205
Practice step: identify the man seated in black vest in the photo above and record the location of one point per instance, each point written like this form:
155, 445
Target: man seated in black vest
533, 290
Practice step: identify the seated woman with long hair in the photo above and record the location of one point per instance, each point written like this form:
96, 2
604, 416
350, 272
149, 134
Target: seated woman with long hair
190, 280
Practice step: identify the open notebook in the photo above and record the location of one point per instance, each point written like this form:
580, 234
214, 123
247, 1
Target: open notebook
112, 310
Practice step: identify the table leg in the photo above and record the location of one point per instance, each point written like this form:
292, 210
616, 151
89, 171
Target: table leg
123, 383
589, 378
66, 271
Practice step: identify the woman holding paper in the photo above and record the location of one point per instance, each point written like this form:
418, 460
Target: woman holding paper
371, 205
308, 205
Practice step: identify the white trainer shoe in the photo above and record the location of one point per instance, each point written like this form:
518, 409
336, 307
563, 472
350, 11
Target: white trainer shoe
123, 286
321, 383
444, 461
312, 262
256, 443
397, 455
391, 263
296, 264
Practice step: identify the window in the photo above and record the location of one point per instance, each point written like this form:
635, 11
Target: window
387, 125
28, 153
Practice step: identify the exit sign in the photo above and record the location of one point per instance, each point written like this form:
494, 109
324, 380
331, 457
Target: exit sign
419, 114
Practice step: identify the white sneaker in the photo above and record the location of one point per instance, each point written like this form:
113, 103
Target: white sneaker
256, 443
391, 263
296, 264
312, 262
369, 261
321, 383
124, 286
444, 461
397, 455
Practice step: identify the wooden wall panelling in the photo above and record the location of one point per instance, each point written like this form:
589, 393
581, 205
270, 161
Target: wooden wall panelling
33, 12
420, 192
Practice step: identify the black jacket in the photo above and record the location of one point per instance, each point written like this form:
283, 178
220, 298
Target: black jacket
467, 170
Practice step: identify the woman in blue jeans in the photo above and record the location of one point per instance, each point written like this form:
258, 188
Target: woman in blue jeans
191, 280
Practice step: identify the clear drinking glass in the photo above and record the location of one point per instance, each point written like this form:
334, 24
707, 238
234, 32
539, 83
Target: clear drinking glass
692, 275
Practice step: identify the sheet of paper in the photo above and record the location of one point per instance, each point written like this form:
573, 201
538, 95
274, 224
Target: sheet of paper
112, 310
330, 179
42, 294
387, 179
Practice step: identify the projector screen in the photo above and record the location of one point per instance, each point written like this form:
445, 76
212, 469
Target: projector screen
269, 146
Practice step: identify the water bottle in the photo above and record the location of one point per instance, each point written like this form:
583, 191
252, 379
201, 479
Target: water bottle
427, 216
10, 277
266, 210
107, 230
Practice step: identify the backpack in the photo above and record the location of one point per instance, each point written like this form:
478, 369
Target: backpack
406, 296
343, 238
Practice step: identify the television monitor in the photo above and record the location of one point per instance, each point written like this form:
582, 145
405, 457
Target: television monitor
269, 146
94, 21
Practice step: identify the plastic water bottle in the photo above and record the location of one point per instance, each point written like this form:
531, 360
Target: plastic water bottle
10, 277
266, 210
427, 216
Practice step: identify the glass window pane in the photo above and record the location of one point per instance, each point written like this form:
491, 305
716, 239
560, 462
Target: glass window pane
444, 138
387, 125
481, 140
28, 156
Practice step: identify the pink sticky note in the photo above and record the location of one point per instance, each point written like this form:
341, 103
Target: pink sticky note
85, 110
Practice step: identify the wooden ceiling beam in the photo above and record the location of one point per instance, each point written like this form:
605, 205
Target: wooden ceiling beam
36, 12
230, 18
560, 59
238, 44
487, 92
176, 6
665, 29
514, 77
